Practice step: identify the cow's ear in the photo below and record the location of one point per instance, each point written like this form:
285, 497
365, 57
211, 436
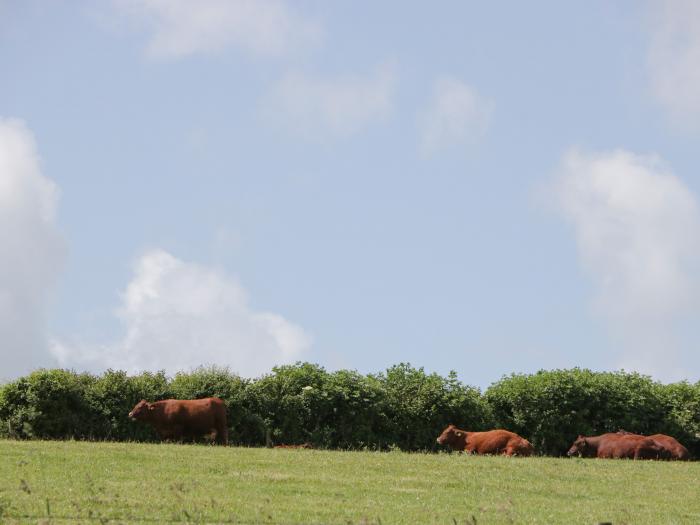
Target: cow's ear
151, 407
459, 434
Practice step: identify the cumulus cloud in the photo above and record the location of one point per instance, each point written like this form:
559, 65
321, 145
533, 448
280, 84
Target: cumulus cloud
184, 27
31, 250
456, 116
317, 107
178, 315
674, 57
638, 232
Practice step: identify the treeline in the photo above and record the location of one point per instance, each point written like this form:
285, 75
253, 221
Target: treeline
403, 407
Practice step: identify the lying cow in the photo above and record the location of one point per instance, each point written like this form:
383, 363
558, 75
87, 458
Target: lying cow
672, 448
616, 446
490, 442
178, 419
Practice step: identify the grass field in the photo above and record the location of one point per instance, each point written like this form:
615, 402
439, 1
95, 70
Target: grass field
78, 482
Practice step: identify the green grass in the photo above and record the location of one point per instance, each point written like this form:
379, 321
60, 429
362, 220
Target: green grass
78, 482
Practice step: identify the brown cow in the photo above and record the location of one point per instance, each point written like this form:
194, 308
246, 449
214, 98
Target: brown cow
490, 442
672, 448
616, 446
179, 419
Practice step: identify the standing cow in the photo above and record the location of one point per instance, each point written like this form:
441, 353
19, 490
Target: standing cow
178, 419
490, 442
616, 446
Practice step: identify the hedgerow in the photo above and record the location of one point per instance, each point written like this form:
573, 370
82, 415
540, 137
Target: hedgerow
403, 407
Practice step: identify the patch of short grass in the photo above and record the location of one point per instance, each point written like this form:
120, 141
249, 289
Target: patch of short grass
81, 482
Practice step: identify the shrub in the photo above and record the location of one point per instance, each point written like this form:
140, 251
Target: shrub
403, 407
681, 403
114, 394
419, 406
288, 403
551, 408
47, 404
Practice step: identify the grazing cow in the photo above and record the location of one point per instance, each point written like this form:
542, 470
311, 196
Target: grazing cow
616, 446
670, 445
179, 419
490, 442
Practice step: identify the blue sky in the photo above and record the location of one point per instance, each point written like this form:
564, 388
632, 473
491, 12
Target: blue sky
486, 187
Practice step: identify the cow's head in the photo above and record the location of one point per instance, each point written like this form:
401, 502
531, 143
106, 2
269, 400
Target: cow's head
141, 411
453, 437
579, 447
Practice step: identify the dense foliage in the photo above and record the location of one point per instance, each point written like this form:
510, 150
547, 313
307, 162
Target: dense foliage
403, 407
551, 408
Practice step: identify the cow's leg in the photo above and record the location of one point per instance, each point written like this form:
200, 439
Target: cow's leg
165, 434
177, 433
221, 434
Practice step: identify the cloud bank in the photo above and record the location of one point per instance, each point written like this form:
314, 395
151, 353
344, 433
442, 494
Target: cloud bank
456, 116
179, 315
318, 107
31, 250
674, 57
638, 232
184, 27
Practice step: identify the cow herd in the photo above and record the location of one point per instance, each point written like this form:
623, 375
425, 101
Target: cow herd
178, 419
613, 445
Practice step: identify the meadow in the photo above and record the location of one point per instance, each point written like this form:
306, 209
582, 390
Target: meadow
91, 482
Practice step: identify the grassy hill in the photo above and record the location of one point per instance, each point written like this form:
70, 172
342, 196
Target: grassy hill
82, 482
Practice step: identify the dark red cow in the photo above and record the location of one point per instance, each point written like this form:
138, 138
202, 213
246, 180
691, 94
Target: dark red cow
672, 448
178, 419
489, 442
616, 446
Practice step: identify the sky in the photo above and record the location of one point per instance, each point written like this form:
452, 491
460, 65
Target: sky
485, 187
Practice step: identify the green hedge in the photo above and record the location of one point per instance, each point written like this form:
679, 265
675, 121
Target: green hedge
551, 408
403, 407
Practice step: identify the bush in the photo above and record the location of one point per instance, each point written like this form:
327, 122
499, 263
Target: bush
111, 398
403, 407
47, 404
551, 408
681, 403
419, 406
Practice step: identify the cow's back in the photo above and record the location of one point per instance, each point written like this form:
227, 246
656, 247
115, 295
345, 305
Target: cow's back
498, 441
631, 446
185, 410
671, 445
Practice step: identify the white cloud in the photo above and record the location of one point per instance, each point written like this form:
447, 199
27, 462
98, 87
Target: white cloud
179, 315
674, 57
185, 27
31, 250
456, 116
638, 232
340, 106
